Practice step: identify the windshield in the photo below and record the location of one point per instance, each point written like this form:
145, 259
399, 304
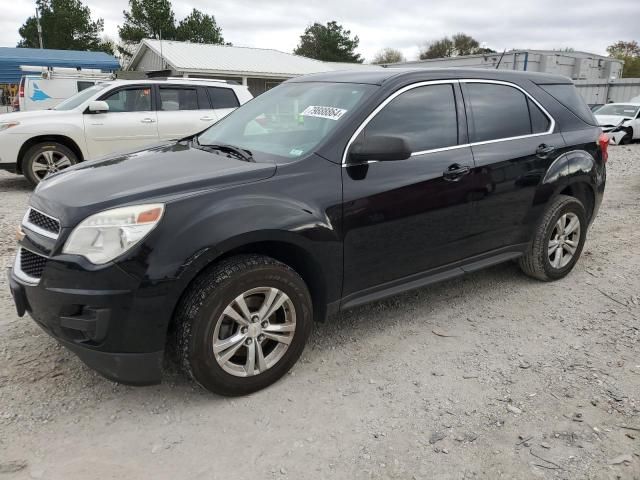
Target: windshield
618, 109
289, 120
80, 97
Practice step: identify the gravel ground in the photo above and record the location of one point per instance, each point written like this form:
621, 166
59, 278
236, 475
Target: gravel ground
490, 376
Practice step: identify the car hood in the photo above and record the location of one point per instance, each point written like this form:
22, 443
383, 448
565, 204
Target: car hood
610, 119
31, 115
158, 174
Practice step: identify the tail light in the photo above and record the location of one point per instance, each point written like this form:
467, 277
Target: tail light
603, 142
21, 90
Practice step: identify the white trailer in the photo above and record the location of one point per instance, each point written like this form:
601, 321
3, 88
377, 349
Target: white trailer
42, 88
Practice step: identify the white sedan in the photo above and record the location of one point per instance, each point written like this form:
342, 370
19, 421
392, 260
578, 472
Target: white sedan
112, 117
620, 121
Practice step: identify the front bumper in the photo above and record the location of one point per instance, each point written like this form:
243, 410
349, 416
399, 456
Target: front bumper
113, 331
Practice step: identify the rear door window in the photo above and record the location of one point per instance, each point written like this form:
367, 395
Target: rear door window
223, 97
425, 116
496, 111
178, 98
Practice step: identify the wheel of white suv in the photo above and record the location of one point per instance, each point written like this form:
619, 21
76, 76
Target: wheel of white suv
558, 240
45, 158
243, 324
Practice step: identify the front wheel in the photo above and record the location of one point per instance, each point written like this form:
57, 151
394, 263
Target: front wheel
45, 158
243, 324
558, 240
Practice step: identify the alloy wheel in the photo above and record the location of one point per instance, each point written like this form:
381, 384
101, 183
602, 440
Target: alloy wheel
564, 240
49, 161
254, 331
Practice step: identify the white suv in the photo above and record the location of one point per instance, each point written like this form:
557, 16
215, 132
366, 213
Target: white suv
112, 117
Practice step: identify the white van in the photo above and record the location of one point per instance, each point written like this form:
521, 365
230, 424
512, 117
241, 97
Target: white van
51, 86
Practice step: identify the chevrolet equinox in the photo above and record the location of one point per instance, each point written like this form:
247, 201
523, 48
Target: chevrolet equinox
327, 192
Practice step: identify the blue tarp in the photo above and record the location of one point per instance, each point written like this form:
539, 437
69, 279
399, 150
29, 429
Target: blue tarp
12, 58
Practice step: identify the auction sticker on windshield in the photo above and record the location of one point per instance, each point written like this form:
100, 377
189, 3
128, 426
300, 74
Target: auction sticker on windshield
331, 113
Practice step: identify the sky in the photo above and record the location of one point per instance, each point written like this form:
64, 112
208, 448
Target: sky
407, 25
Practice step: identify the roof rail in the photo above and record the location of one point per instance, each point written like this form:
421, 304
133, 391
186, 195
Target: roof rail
217, 80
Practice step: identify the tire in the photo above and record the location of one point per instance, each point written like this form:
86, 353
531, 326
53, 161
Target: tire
204, 324
628, 137
540, 261
45, 158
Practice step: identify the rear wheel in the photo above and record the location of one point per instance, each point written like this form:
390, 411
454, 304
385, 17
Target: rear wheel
558, 240
243, 324
45, 158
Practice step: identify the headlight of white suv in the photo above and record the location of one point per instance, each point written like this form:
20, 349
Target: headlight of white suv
6, 125
106, 235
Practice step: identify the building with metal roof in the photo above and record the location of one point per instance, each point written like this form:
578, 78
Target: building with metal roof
575, 65
12, 58
596, 77
258, 68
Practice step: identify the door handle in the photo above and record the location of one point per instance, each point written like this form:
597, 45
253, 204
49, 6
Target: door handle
455, 172
148, 120
207, 119
544, 150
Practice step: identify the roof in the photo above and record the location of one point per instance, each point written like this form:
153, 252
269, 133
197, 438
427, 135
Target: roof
378, 77
12, 58
227, 59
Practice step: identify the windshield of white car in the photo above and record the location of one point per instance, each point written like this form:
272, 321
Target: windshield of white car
80, 97
289, 120
618, 109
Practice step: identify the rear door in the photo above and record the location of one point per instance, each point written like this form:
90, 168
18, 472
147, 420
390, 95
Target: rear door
513, 144
129, 124
182, 111
405, 217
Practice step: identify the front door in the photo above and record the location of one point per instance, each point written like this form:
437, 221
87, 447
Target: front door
405, 217
130, 123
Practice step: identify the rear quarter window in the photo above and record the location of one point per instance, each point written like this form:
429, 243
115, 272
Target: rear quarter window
567, 95
223, 97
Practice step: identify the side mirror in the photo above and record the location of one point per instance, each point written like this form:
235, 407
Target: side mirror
98, 106
382, 148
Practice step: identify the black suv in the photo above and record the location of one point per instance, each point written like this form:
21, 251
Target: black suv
324, 193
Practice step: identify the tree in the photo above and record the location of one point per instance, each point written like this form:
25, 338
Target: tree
155, 19
388, 55
199, 28
459, 44
148, 19
66, 25
623, 49
330, 43
630, 53
438, 49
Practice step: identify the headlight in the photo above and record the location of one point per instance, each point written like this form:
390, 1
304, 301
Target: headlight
6, 125
106, 235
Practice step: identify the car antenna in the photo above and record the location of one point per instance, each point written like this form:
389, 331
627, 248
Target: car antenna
501, 56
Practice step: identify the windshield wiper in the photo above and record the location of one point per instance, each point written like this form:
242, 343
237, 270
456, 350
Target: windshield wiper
241, 153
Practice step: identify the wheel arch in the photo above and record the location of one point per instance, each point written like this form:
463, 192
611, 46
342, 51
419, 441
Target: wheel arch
284, 248
584, 192
61, 139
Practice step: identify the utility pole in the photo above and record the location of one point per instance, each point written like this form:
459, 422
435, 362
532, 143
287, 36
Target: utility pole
39, 28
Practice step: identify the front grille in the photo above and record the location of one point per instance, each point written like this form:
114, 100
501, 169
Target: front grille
31, 263
45, 222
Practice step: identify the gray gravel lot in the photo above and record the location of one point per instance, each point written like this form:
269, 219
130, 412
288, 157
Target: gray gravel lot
494, 375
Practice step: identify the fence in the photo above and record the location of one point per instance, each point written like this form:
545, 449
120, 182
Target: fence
618, 90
